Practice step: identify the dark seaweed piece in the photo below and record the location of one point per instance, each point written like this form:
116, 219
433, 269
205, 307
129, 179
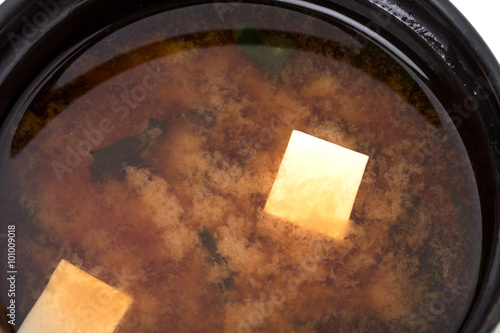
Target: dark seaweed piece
209, 244
204, 118
410, 201
228, 283
109, 162
268, 52
215, 258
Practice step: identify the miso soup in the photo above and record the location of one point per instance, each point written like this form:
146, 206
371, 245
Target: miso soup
148, 158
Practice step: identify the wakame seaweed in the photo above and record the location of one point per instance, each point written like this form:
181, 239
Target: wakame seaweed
110, 161
268, 52
215, 258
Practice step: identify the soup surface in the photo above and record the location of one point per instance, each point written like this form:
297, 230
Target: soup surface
148, 158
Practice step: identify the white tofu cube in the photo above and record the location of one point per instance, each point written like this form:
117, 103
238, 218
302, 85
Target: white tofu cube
316, 184
74, 301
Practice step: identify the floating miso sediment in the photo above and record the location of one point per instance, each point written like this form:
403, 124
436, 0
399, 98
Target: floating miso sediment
199, 125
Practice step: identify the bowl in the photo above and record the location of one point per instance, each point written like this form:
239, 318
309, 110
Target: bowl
64, 55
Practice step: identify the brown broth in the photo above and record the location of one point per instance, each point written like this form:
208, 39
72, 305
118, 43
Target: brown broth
409, 263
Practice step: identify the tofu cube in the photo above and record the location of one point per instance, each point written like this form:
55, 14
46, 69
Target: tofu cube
74, 301
316, 184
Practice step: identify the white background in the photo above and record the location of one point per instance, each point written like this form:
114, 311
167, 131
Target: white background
483, 16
